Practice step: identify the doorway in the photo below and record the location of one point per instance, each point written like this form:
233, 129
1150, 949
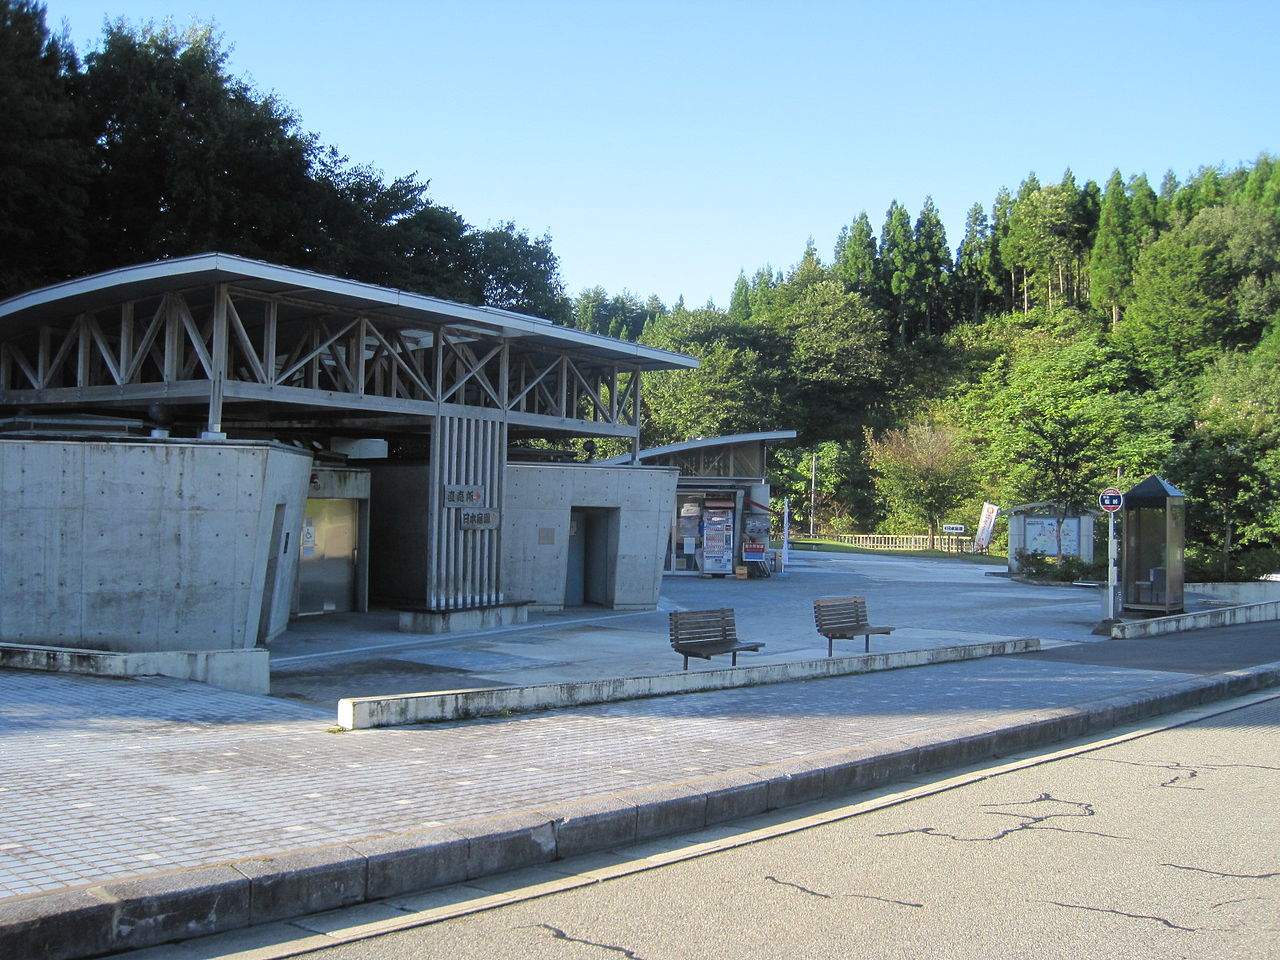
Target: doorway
591, 565
327, 565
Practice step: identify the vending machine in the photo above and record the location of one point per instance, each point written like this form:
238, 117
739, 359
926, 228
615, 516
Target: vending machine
717, 540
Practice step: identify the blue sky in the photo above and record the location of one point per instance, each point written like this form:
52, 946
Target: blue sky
665, 146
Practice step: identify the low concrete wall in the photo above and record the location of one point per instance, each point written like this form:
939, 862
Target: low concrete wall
246, 671
455, 621
1258, 591
1224, 617
358, 713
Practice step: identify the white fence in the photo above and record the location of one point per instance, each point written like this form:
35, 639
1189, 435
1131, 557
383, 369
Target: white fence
884, 541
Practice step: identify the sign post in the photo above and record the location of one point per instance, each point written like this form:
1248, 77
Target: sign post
1111, 500
786, 535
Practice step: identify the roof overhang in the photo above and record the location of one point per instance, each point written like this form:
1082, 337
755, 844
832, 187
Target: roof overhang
102, 290
704, 442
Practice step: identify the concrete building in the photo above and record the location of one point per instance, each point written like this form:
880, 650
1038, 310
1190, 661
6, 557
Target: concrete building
193, 450
721, 515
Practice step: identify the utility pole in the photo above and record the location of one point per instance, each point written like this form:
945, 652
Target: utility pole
813, 497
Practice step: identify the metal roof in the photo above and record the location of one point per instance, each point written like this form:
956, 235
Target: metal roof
702, 442
1152, 492
351, 296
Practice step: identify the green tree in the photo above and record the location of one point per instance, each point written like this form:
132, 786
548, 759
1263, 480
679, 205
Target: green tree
1111, 261
1017, 239
931, 270
1054, 421
735, 389
1229, 466
836, 360
1146, 220
740, 299
1208, 286
1001, 211
855, 259
523, 274
43, 153
976, 278
1043, 242
897, 259
188, 159
922, 472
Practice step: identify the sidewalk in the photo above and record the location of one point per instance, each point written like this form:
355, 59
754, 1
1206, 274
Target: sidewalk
138, 811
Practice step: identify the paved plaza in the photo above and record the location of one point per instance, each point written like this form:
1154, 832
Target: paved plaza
930, 603
108, 779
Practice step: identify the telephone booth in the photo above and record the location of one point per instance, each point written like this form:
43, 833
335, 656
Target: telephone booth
1152, 562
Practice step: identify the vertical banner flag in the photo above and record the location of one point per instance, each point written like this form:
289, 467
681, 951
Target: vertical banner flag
986, 526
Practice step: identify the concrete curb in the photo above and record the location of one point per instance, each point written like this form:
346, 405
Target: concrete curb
248, 671
362, 713
1200, 620
90, 921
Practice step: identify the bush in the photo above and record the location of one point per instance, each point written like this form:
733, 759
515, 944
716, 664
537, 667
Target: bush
1250, 563
1038, 566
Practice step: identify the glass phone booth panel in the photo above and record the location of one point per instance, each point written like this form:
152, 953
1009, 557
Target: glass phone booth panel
1154, 530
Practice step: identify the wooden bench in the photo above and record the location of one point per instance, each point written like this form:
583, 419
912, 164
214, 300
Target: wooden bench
705, 633
840, 618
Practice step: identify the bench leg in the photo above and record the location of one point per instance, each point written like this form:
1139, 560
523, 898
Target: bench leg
867, 648
686, 661
831, 647
734, 662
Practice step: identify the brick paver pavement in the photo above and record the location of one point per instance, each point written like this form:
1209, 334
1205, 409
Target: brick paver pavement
107, 779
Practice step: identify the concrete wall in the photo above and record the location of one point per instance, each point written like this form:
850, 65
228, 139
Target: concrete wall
535, 529
1258, 591
146, 545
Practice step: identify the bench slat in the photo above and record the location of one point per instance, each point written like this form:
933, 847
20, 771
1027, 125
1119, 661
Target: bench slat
840, 618
705, 633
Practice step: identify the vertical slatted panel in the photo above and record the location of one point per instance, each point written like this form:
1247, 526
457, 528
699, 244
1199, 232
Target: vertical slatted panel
464, 565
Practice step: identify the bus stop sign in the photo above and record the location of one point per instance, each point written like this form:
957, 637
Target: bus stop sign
1111, 500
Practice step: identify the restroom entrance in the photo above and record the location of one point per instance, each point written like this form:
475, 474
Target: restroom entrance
590, 570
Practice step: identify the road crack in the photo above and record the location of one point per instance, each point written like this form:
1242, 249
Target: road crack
1030, 821
1185, 771
1227, 903
1121, 913
859, 896
786, 883
1219, 873
559, 934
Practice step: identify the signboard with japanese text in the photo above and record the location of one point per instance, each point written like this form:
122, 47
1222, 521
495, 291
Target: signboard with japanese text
480, 519
462, 495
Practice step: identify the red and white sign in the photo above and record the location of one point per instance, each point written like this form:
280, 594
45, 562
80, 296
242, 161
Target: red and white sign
1111, 499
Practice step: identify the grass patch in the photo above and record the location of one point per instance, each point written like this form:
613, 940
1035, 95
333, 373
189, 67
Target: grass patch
834, 546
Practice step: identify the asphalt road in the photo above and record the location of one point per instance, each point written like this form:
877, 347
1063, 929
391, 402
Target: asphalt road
1164, 846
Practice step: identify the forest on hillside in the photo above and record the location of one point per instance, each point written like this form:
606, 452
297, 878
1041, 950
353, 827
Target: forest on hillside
1077, 330
1079, 333
150, 149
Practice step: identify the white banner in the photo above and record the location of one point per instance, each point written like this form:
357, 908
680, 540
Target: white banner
986, 526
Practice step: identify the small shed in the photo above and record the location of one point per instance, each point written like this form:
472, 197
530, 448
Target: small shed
1033, 528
